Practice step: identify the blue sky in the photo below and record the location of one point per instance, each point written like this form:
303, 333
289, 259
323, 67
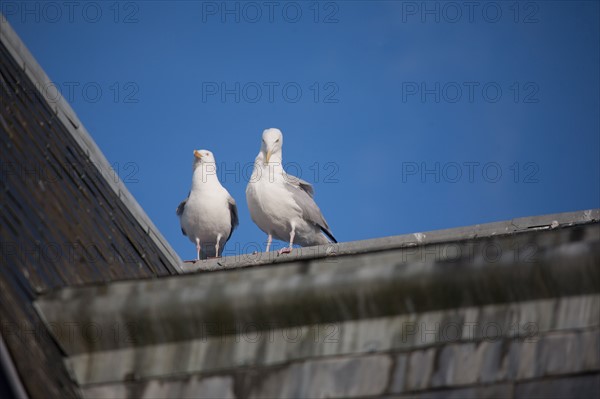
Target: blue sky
406, 116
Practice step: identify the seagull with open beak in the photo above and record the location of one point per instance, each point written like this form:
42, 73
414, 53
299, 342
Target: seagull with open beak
208, 215
280, 204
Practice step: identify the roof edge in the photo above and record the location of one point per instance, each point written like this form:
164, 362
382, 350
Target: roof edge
532, 265
14, 380
512, 226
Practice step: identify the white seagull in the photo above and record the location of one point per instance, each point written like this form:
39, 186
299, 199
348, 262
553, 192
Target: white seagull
208, 215
280, 204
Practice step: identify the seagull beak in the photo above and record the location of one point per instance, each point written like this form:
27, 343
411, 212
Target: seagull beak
197, 154
268, 156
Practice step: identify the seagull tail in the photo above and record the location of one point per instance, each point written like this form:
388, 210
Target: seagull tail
328, 234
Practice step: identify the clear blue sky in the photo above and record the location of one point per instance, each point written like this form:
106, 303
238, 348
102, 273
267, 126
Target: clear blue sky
498, 100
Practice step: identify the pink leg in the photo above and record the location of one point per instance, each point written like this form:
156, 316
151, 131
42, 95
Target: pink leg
269, 239
289, 249
217, 246
197, 253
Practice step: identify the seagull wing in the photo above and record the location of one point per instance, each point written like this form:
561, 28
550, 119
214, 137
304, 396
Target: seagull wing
234, 215
181, 207
303, 192
179, 211
302, 184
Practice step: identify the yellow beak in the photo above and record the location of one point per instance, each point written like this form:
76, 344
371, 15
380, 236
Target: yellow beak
268, 156
197, 154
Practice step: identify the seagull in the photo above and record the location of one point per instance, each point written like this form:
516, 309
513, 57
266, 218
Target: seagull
280, 204
208, 215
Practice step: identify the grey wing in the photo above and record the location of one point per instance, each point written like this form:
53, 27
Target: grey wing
180, 207
302, 193
179, 212
234, 215
302, 184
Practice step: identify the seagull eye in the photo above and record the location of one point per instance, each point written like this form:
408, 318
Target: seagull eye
277, 141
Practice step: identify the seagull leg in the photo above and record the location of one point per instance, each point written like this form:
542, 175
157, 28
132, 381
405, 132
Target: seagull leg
269, 239
197, 249
217, 246
289, 249
197, 253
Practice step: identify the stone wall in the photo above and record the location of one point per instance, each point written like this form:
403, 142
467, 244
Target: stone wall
532, 349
